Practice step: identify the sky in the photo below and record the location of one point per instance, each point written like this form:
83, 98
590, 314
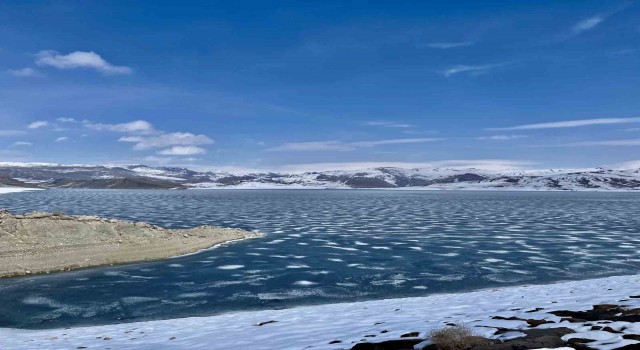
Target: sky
291, 85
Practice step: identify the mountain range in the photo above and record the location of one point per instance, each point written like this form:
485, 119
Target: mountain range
45, 175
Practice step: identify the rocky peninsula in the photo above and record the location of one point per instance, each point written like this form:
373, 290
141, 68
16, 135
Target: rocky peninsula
48, 242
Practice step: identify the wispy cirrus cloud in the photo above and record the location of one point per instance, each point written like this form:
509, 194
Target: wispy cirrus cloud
502, 137
21, 144
25, 73
312, 146
450, 44
62, 139
472, 69
571, 124
387, 124
590, 23
587, 24
79, 59
344, 146
393, 142
628, 142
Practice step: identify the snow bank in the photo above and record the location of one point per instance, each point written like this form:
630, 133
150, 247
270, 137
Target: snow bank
4, 190
314, 327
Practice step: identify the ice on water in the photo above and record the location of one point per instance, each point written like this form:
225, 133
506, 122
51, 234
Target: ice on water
329, 246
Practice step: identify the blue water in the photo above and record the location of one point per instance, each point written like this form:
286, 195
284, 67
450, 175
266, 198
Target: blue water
327, 246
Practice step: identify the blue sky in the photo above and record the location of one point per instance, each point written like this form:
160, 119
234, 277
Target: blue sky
292, 85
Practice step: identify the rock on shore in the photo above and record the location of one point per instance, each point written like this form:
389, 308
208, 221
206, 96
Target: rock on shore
48, 242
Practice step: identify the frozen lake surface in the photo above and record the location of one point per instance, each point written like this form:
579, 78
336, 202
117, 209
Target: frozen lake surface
327, 246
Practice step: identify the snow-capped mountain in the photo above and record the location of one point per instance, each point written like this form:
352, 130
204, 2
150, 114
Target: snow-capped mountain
142, 176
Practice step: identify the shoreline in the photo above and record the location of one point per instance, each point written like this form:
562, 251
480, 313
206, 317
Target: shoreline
340, 326
38, 243
418, 189
257, 234
9, 190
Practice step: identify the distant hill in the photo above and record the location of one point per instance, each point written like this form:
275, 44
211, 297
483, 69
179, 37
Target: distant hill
7, 181
145, 177
131, 183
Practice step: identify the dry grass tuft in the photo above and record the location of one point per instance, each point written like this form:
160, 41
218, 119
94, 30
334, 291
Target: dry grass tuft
458, 337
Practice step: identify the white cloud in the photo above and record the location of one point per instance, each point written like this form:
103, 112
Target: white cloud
182, 151
66, 120
79, 59
449, 45
502, 137
62, 139
632, 142
137, 126
571, 124
131, 139
25, 73
38, 124
342, 146
21, 144
471, 69
387, 124
587, 24
144, 137
167, 140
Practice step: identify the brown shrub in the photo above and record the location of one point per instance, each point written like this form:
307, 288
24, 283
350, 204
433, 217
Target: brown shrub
458, 337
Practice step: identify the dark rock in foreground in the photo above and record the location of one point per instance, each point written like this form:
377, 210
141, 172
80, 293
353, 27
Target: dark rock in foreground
601, 318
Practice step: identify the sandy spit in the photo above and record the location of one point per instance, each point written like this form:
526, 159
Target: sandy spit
46, 242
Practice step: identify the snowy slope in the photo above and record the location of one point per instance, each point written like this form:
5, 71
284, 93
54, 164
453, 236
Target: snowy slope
319, 327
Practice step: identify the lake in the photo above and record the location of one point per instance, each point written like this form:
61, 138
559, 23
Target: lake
326, 246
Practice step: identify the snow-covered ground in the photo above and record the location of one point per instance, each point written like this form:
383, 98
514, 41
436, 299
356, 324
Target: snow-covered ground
154, 173
4, 190
315, 327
